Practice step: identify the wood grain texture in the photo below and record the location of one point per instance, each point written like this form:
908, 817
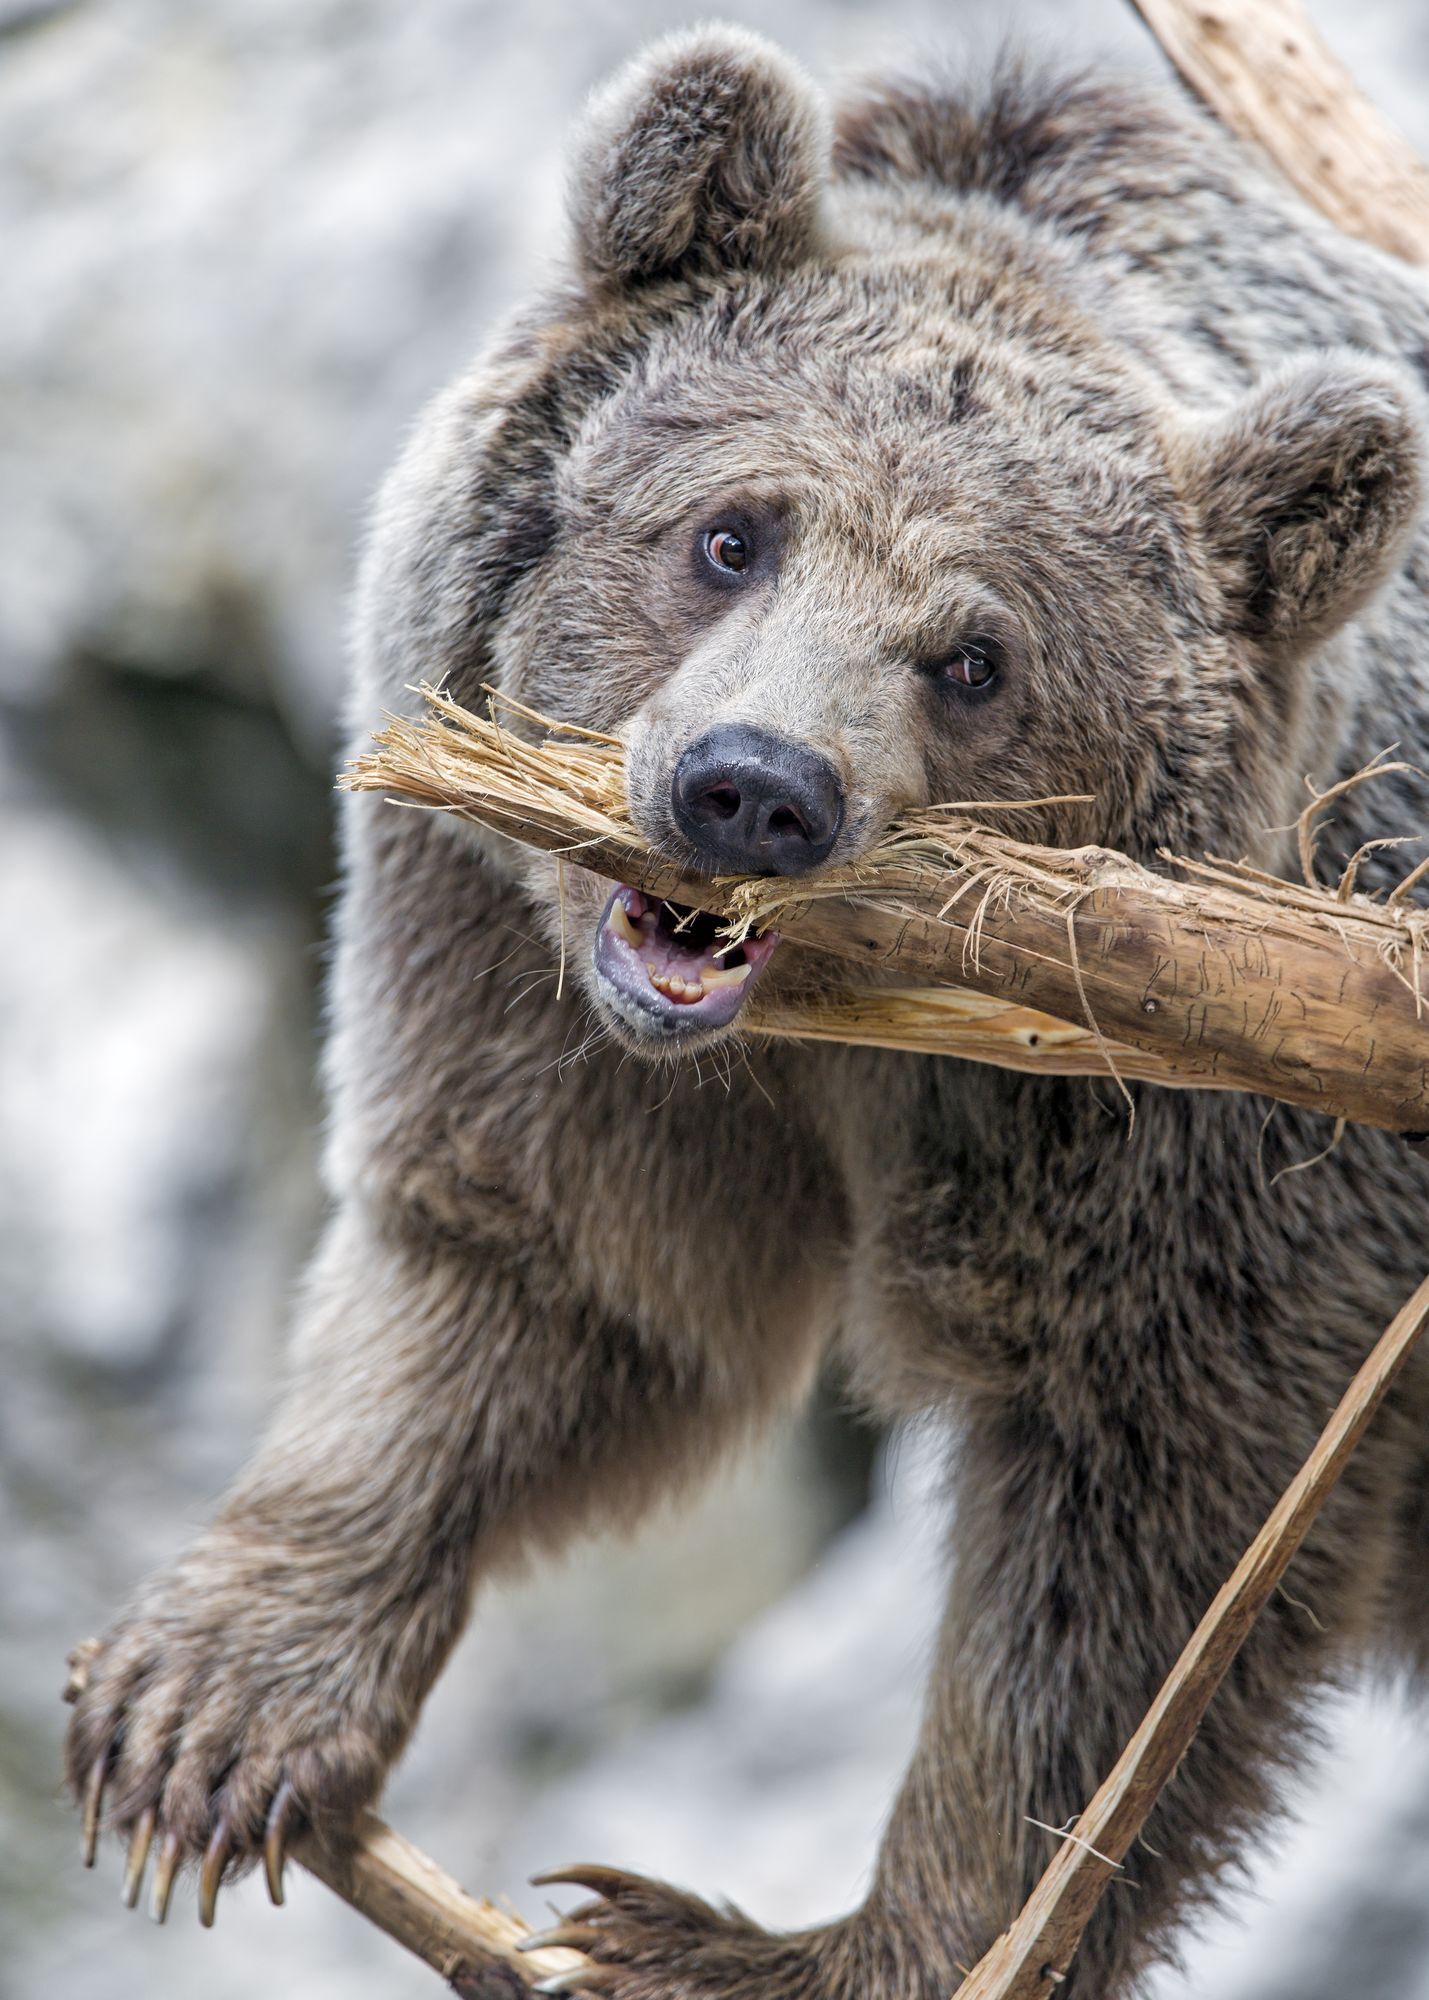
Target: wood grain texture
1208, 976
975, 1027
1263, 68
1210, 983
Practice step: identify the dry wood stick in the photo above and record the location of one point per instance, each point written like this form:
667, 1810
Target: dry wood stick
1209, 983
1029, 1960
951, 1020
1224, 979
468, 1940
1263, 68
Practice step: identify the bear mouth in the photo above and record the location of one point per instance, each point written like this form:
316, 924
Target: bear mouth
661, 968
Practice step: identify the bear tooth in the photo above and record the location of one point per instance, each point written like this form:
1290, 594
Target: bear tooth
673, 986
734, 975
619, 922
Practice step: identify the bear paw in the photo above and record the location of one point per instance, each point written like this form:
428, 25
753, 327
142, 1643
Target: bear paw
647, 1941
214, 1740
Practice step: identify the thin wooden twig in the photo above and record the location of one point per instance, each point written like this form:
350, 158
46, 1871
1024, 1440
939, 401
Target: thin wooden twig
1030, 1960
471, 1942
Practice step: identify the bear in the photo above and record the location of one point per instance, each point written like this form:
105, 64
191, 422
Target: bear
1017, 437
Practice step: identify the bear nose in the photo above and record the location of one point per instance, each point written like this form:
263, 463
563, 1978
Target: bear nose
751, 803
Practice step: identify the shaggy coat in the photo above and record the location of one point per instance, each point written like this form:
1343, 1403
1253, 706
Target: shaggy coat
1044, 377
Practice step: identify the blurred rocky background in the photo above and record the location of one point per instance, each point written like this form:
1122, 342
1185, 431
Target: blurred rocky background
241, 241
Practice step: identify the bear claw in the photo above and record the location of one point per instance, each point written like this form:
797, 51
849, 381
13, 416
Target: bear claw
93, 1800
592, 1875
275, 1839
580, 1979
211, 1872
561, 1937
140, 1841
166, 1870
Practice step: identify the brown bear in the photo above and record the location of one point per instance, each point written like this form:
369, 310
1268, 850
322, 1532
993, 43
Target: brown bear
1009, 441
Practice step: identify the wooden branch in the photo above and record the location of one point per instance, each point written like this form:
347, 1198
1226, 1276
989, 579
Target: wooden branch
1262, 66
1029, 1960
1209, 982
468, 1940
1226, 978
952, 1020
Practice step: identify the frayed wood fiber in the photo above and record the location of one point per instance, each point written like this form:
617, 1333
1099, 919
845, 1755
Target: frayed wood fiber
1064, 962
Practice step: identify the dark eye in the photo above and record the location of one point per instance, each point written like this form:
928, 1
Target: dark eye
973, 665
726, 550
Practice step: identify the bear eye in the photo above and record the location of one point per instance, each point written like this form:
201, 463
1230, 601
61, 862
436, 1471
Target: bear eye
974, 664
727, 550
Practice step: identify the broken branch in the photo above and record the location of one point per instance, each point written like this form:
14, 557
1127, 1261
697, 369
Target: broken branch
1227, 978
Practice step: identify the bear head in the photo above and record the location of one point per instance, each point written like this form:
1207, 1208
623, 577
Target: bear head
837, 488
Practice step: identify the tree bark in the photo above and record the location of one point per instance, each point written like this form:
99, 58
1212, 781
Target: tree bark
468, 1940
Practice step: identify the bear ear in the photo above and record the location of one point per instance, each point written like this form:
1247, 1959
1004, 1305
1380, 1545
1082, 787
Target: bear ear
1307, 490
707, 153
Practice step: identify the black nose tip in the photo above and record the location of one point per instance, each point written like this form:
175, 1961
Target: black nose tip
750, 803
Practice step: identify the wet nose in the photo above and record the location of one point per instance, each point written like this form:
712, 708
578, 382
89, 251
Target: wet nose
751, 803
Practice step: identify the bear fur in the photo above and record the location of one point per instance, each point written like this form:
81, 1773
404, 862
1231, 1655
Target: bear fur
1044, 357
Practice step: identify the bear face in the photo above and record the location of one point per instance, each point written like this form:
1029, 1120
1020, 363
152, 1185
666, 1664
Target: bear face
814, 584
833, 498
